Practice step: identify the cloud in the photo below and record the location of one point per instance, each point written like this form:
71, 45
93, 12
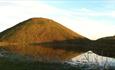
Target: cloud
94, 29
94, 13
85, 10
3, 3
23, 10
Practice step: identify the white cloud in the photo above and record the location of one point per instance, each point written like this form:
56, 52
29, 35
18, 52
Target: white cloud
85, 10
93, 13
21, 10
95, 29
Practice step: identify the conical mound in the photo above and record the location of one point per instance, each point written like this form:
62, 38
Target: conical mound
38, 30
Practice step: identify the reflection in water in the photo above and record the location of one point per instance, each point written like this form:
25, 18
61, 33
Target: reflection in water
92, 58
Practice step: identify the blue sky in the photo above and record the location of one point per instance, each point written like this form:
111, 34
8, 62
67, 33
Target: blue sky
90, 18
77, 4
85, 6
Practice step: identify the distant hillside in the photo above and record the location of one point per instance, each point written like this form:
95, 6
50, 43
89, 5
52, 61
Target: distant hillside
109, 39
104, 46
44, 40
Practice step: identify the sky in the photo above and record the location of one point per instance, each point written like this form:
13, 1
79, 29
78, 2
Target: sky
91, 18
